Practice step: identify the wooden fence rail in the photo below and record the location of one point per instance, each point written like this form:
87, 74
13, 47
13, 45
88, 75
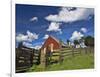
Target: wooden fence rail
26, 58
59, 56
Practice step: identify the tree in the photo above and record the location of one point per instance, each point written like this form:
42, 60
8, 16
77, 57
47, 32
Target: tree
89, 41
82, 39
61, 41
76, 42
68, 41
20, 44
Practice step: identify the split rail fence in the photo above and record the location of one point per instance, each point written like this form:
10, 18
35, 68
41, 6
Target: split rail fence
26, 58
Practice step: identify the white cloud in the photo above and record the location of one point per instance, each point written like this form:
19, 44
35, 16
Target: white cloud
54, 26
21, 37
31, 36
76, 36
68, 15
28, 37
37, 47
27, 44
45, 36
34, 19
84, 30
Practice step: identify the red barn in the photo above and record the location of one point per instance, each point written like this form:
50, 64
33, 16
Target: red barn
51, 44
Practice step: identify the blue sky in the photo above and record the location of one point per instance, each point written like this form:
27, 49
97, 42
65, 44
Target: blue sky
34, 23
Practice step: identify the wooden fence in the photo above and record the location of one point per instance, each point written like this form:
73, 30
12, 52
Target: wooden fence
25, 58
59, 55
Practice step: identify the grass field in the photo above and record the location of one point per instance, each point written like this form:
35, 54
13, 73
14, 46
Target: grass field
81, 61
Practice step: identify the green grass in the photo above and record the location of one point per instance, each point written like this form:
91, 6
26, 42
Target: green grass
71, 63
83, 61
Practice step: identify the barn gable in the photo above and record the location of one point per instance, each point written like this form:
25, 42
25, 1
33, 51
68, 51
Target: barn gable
52, 42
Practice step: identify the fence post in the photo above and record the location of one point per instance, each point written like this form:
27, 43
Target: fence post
60, 57
85, 50
81, 50
73, 52
90, 48
31, 57
50, 57
43, 57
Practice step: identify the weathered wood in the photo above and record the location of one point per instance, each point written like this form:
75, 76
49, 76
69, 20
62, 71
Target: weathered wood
25, 58
43, 57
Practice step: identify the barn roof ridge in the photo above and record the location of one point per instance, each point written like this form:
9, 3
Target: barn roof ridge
54, 38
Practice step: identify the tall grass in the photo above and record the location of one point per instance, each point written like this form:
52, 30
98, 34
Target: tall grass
83, 61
